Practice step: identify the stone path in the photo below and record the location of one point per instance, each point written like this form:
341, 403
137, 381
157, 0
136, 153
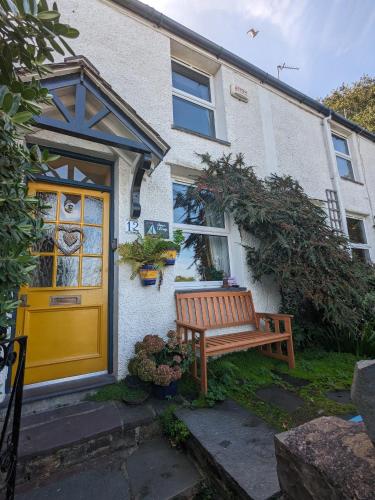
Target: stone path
294, 381
280, 397
154, 471
342, 396
236, 446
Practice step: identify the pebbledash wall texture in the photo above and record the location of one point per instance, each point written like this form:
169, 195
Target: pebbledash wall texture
275, 132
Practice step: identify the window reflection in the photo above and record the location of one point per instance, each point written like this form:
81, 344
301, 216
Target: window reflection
187, 212
203, 258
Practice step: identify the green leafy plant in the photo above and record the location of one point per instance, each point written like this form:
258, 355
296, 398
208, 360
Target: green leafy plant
355, 101
30, 33
143, 251
318, 281
173, 428
158, 361
175, 244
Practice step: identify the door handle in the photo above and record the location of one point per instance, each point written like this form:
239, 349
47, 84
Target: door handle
23, 299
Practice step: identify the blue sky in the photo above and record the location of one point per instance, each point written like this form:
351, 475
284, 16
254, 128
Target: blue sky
332, 41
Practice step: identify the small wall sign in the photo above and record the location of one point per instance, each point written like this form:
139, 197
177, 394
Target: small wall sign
156, 228
132, 226
238, 92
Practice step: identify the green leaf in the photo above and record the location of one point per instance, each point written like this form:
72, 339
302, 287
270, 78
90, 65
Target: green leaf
48, 15
7, 102
3, 91
56, 46
22, 117
66, 31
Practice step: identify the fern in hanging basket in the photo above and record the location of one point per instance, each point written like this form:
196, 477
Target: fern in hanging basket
144, 251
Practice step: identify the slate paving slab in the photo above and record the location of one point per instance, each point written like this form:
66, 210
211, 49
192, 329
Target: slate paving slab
103, 480
342, 396
158, 472
155, 471
280, 397
294, 381
238, 445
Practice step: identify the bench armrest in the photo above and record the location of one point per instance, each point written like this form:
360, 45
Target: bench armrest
276, 318
193, 328
274, 315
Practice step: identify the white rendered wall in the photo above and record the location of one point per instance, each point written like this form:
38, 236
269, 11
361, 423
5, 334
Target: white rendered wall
274, 134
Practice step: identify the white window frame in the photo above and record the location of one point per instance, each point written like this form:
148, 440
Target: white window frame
207, 230
197, 100
343, 155
361, 246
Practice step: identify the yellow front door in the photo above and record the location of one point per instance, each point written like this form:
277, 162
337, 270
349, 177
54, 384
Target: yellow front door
64, 311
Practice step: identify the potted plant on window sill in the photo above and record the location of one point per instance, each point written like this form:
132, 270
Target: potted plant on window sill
161, 362
145, 255
172, 248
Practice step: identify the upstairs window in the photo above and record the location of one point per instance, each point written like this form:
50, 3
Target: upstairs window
357, 239
343, 158
193, 107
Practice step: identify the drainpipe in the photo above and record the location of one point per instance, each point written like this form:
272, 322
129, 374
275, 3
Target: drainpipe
334, 174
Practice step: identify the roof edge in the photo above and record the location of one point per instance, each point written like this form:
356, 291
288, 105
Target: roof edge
163, 21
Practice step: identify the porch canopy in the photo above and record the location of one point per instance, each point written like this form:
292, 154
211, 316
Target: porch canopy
85, 106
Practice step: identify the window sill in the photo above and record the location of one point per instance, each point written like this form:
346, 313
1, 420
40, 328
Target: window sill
352, 180
202, 136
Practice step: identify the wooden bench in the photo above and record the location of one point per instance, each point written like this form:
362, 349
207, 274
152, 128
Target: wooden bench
198, 312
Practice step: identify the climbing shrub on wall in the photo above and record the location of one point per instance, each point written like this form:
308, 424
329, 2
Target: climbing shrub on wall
30, 33
319, 283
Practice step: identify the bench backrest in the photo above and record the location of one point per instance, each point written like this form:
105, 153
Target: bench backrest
216, 309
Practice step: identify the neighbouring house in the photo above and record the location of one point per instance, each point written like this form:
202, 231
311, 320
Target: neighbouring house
130, 111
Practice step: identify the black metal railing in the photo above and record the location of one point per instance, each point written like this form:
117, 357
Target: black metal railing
12, 362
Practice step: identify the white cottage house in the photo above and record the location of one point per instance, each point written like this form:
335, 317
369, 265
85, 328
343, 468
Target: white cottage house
130, 111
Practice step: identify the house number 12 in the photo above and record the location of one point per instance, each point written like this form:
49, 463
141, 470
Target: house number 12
132, 226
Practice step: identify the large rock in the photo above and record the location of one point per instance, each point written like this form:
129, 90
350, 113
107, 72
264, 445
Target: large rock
326, 459
363, 394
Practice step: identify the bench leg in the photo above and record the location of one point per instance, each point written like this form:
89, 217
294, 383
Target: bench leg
290, 348
204, 385
194, 370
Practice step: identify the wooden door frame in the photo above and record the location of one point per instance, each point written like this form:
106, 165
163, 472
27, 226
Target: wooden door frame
93, 187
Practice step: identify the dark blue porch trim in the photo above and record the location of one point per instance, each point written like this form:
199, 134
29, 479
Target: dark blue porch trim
78, 126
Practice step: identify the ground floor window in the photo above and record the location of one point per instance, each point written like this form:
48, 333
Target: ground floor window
204, 257
358, 239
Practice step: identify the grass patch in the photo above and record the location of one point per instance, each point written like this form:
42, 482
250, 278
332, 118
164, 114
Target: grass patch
176, 431
240, 375
118, 392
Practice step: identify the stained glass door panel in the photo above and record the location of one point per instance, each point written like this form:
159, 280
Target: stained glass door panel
66, 313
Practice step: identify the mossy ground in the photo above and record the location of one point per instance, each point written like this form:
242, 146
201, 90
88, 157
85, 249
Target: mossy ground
240, 375
118, 392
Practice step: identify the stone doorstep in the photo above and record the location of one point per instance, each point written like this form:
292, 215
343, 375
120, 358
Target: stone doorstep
236, 450
67, 436
50, 397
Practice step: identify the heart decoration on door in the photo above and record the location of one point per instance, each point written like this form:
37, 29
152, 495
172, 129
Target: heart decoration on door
72, 238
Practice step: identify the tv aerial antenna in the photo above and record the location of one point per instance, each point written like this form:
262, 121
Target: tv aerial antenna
280, 67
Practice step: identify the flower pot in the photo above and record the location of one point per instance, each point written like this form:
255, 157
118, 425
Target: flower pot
164, 392
148, 275
170, 257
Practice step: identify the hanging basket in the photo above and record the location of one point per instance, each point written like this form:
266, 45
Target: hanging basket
170, 257
148, 274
